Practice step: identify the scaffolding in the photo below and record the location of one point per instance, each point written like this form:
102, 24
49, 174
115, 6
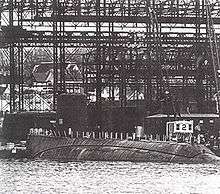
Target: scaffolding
130, 49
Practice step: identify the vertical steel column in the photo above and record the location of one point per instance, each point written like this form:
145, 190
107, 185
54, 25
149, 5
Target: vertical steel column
111, 62
111, 70
12, 59
20, 61
137, 64
199, 96
55, 55
62, 58
122, 77
62, 63
148, 65
84, 75
98, 67
155, 33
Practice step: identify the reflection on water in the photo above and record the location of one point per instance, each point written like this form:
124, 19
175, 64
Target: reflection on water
107, 177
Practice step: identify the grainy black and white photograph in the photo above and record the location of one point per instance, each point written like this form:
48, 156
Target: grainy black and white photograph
110, 96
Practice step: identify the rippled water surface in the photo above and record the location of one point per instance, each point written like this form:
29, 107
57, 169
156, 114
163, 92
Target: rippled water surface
107, 177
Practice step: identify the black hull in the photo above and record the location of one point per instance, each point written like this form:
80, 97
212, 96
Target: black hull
81, 149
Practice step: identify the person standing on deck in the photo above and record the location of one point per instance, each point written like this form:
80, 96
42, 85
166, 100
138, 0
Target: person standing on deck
218, 142
197, 132
167, 104
177, 108
212, 141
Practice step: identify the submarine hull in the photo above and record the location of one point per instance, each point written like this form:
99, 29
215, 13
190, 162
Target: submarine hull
83, 149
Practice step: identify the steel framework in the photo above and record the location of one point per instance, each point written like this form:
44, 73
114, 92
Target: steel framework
132, 49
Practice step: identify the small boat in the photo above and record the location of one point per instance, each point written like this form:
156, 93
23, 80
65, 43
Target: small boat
12, 151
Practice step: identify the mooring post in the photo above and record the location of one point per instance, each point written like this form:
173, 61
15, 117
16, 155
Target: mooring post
133, 136
106, 135
127, 135
64, 133
111, 135
121, 136
69, 132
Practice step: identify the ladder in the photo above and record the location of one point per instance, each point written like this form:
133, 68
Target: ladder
213, 49
159, 50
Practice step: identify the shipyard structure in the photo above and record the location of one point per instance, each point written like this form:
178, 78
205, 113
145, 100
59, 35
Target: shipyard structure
109, 66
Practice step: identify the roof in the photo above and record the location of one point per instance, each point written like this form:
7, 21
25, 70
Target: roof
44, 72
73, 72
2, 89
43, 67
193, 115
40, 72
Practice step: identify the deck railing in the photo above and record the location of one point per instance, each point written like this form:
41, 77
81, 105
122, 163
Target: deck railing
96, 135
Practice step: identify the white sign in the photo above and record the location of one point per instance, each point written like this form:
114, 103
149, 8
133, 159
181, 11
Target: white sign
180, 127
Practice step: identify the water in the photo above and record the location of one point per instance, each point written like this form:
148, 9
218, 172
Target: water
107, 177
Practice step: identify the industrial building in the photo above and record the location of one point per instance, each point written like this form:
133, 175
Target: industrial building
136, 57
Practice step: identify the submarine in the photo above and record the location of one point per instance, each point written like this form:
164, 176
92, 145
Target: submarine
71, 140
94, 149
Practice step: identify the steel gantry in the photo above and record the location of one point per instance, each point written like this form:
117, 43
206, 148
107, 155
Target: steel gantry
133, 50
